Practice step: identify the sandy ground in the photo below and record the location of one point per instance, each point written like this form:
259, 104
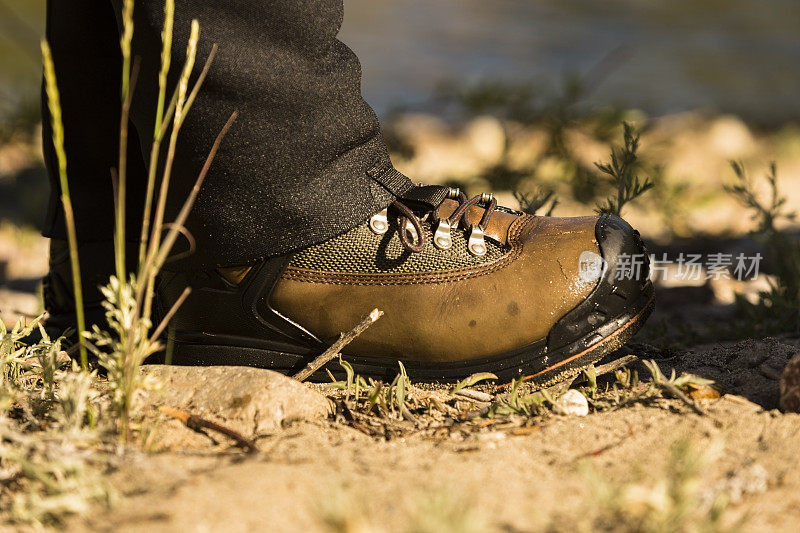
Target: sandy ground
507, 474
504, 474
312, 474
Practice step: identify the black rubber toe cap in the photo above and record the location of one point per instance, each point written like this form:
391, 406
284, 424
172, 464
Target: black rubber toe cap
619, 292
622, 249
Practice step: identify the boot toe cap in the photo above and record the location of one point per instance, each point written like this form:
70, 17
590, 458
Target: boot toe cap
622, 284
622, 250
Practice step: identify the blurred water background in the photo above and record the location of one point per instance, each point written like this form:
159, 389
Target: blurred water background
732, 56
519, 96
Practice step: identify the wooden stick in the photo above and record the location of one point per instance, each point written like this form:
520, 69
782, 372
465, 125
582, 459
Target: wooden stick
677, 394
199, 424
615, 365
338, 346
475, 395
660, 380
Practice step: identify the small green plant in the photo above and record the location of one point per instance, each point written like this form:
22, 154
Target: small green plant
515, 403
531, 203
76, 404
674, 501
46, 431
777, 309
13, 351
622, 391
395, 399
682, 382
353, 384
46, 478
25, 367
129, 299
445, 511
122, 350
47, 352
590, 390
627, 388
474, 379
765, 215
622, 171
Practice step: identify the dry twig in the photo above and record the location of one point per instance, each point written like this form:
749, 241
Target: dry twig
199, 425
475, 395
338, 346
676, 393
615, 365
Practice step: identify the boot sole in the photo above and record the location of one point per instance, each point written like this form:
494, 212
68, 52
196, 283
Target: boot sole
534, 363
577, 363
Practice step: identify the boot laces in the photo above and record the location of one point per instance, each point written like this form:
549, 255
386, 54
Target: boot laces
414, 238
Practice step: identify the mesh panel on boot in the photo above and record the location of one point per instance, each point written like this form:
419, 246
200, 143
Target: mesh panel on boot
362, 251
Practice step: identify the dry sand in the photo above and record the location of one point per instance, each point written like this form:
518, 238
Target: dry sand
323, 474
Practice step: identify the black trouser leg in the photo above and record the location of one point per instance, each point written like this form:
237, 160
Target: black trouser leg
293, 170
85, 45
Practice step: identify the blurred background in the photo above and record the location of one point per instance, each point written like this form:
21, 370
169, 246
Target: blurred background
522, 96
737, 56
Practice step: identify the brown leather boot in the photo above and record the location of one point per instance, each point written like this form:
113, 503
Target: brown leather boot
466, 286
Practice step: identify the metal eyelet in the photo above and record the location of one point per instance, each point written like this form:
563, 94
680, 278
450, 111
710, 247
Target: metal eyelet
476, 243
442, 239
379, 222
453, 193
486, 197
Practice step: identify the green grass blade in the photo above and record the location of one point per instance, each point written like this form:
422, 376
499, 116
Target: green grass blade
54, 105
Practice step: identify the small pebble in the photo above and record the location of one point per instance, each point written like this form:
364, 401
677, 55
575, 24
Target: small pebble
571, 403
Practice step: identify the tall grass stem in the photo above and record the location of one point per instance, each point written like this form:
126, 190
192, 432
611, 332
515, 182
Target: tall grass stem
166, 57
122, 171
169, 239
54, 105
158, 221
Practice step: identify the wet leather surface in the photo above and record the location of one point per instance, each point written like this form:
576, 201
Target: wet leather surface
453, 315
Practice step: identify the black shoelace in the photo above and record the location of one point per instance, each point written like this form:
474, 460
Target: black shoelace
416, 243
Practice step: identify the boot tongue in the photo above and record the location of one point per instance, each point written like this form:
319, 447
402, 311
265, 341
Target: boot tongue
498, 225
425, 197
433, 198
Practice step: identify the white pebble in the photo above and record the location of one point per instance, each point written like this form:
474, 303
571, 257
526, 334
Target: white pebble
571, 403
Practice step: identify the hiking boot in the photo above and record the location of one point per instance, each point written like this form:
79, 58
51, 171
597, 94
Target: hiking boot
465, 286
